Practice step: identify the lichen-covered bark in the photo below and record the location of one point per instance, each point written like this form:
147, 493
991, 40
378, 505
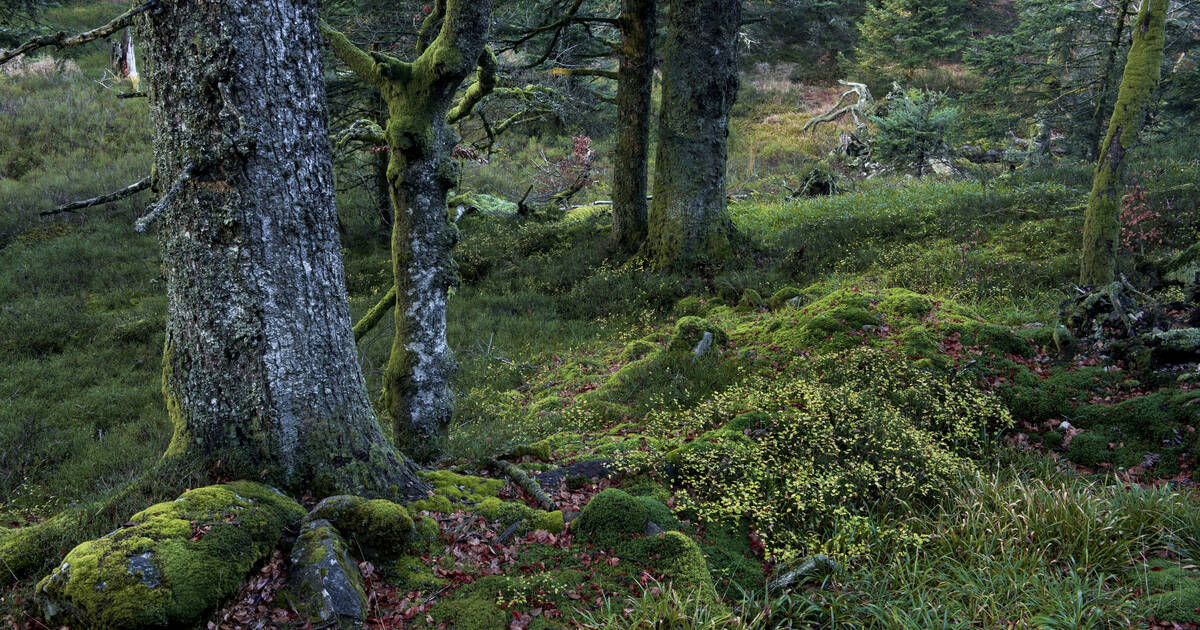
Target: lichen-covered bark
635, 82
420, 172
689, 224
260, 372
1102, 225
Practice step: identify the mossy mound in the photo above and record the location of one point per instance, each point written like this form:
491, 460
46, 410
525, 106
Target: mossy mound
751, 301
645, 528
690, 330
1175, 591
781, 297
380, 528
612, 517
690, 306
480, 495
636, 350
510, 512
173, 562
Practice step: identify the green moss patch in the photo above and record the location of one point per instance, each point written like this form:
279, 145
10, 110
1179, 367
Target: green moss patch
173, 562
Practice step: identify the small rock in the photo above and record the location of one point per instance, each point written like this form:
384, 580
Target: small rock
324, 584
1064, 426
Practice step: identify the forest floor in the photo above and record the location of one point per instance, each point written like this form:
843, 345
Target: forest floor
883, 433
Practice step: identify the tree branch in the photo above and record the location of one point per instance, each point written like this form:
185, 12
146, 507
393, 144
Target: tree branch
585, 72
361, 62
62, 40
478, 90
128, 191
153, 211
373, 316
366, 131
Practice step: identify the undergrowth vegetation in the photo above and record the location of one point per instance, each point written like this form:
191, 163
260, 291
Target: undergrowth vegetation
874, 381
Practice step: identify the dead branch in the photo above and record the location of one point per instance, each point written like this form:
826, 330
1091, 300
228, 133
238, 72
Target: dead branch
62, 40
76, 206
521, 479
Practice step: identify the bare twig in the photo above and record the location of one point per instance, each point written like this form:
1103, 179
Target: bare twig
75, 206
62, 40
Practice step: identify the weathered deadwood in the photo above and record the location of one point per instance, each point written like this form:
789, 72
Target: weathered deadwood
62, 40
76, 206
521, 479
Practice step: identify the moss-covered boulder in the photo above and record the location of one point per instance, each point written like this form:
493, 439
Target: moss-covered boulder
172, 562
614, 516
1184, 268
324, 583
690, 330
379, 527
782, 297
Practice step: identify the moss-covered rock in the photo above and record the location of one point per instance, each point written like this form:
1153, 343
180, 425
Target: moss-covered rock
379, 527
324, 583
509, 512
781, 297
690, 330
614, 516
173, 561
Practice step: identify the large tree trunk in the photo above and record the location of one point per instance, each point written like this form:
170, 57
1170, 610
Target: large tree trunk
416, 382
1102, 227
635, 82
260, 371
689, 224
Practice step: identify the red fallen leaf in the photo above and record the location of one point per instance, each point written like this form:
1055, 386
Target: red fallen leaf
573, 594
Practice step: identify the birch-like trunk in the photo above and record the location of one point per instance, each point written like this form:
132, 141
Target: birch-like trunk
260, 371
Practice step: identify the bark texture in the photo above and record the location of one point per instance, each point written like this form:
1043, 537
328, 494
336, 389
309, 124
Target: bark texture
1102, 226
689, 224
420, 172
635, 82
260, 371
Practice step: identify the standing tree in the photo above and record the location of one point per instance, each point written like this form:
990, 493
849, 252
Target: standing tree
635, 82
689, 223
260, 373
905, 35
419, 94
637, 24
1102, 226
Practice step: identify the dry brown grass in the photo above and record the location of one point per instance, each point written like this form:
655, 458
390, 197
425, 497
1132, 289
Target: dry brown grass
42, 66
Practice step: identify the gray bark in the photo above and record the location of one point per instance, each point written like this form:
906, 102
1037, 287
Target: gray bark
635, 82
688, 220
260, 370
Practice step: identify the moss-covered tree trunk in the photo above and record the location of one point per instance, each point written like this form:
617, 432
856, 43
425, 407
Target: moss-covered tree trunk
689, 223
260, 371
420, 172
1103, 110
1102, 226
635, 81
